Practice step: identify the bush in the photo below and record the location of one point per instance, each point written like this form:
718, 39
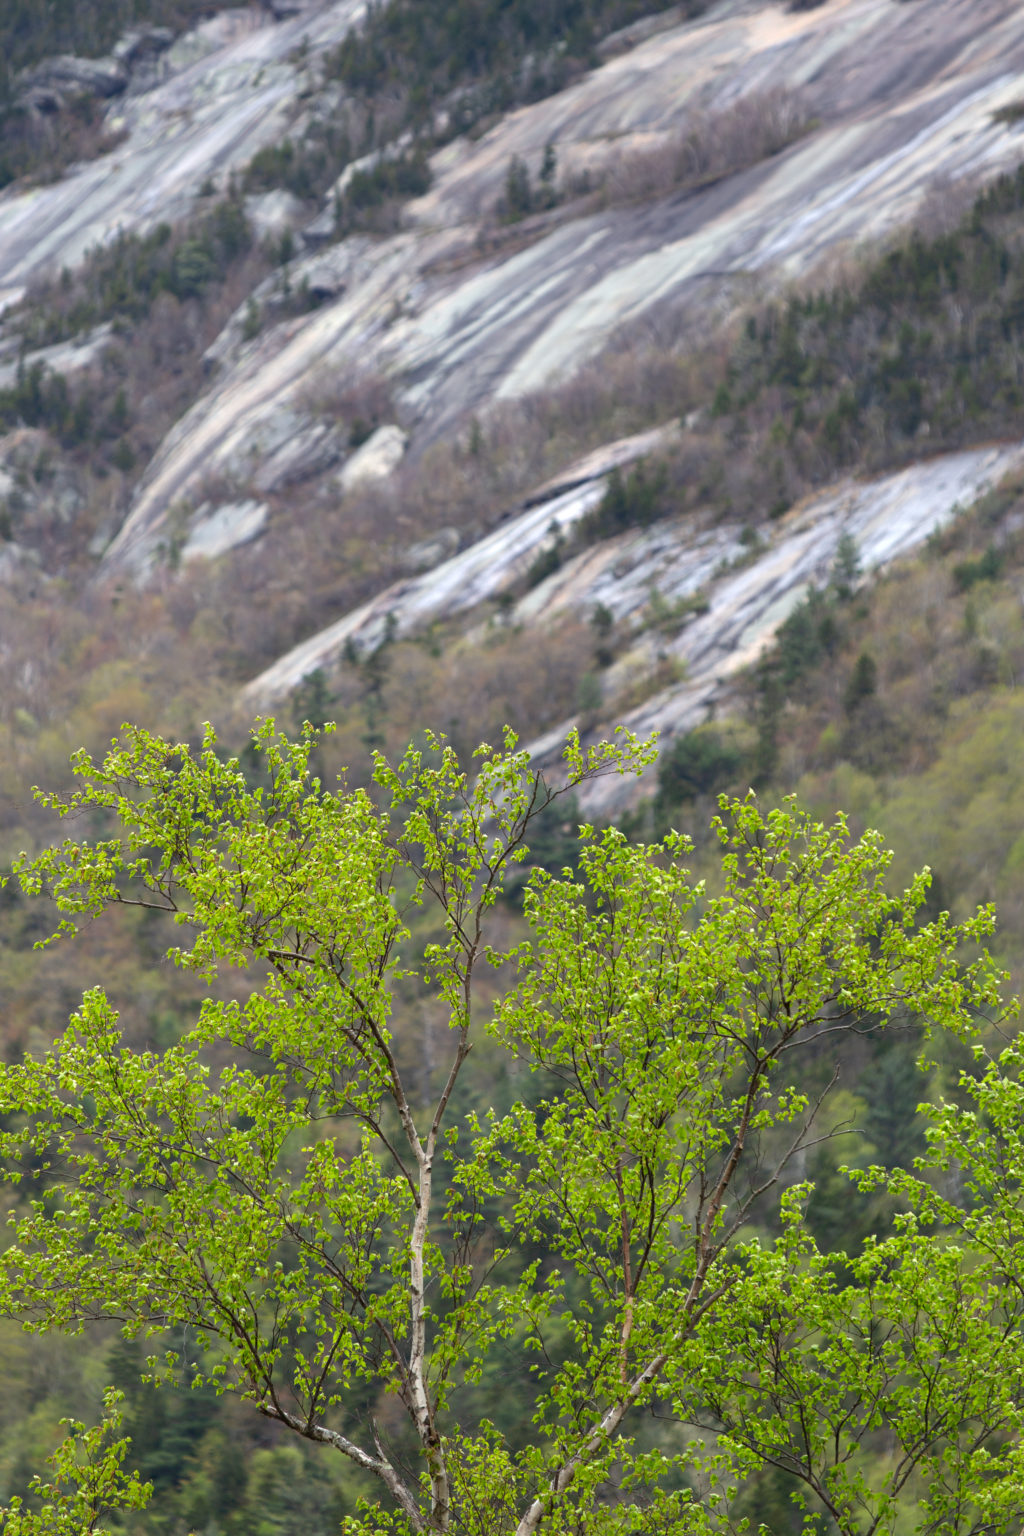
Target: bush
631, 501
30, 32
388, 182
482, 55
122, 280
305, 169
986, 568
701, 763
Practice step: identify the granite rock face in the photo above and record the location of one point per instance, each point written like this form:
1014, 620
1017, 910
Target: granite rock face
462, 583
215, 531
746, 594
376, 458
234, 85
729, 595
67, 75
458, 311
903, 95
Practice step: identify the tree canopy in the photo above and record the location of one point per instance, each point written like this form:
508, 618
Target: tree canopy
360, 1243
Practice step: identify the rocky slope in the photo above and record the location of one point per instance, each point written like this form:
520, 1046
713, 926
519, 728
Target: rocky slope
882, 110
708, 597
905, 96
211, 100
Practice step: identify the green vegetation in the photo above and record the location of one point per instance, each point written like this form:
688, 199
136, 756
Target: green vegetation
477, 56
164, 296
89, 28
633, 500
372, 195
338, 1234
899, 701
697, 764
119, 282
305, 169
42, 147
919, 351
31, 144
521, 197
88, 1481
438, 70
41, 398
924, 345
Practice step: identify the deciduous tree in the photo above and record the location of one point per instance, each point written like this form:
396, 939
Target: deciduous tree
347, 1243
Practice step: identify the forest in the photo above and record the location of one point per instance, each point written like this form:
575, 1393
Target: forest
721, 1189
625, 1227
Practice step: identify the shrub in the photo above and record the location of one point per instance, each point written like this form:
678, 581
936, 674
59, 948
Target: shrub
985, 568
633, 500
702, 762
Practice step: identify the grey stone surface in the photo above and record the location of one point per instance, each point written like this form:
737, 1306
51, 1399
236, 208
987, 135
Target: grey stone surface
746, 592
73, 76
272, 213
231, 87
375, 459
213, 532
427, 553
905, 94
886, 518
484, 570
141, 43
306, 452
67, 357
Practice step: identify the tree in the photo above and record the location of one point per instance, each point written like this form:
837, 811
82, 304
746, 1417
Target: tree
518, 192
347, 1240
697, 764
88, 1482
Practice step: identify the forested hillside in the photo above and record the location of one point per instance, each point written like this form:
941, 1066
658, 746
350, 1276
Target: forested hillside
32, 33
304, 312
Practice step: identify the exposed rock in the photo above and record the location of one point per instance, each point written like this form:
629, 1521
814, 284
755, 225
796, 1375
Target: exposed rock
272, 214
67, 357
322, 229
639, 32
258, 441
906, 94
231, 88
306, 453
377, 458
606, 458
428, 553
42, 99
365, 163
485, 570
323, 283
142, 43
72, 76
748, 600
746, 593
279, 448
214, 532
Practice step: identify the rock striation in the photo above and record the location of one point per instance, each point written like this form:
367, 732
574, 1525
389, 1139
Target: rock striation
225, 90
728, 593
459, 312
890, 108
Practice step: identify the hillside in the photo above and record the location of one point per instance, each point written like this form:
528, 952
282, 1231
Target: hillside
450, 366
